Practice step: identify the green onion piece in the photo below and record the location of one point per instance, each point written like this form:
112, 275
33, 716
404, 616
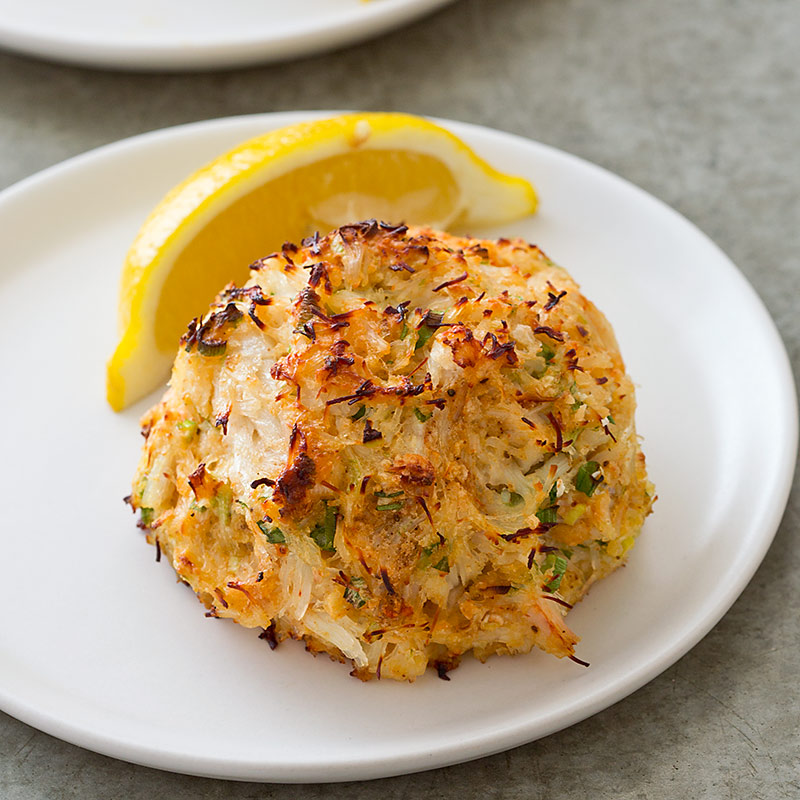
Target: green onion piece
423, 334
388, 494
211, 347
147, 515
274, 535
324, 532
567, 552
557, 566
547, 352
548, 515
403, 332
443, 565
189, 428
421, 416
389, 507
430, 548
360, 413
353, 597
510, 498
356, 581
585, 481
222, 501
553, 496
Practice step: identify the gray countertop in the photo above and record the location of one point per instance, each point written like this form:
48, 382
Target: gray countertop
698, 103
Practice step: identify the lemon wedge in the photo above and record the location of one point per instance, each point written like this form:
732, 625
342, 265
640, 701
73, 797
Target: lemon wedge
283, 186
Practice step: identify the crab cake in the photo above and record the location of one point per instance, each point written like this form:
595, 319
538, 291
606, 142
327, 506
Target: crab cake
398, 446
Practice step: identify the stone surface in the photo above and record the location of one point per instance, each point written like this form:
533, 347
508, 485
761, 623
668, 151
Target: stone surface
698, 102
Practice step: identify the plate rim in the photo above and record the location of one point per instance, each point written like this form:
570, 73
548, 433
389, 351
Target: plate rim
330, 32
474, 747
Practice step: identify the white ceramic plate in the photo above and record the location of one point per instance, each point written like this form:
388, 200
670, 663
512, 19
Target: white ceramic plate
100, 646
195, 34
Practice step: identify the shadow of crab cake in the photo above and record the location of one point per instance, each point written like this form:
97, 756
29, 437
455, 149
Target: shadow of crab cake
400, 447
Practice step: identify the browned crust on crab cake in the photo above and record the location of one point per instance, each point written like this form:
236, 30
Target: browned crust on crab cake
399, 446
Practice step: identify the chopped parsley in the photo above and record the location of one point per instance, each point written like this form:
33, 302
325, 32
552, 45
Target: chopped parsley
423, 335
353, 597
274, 535
556, 566
549, 516
547, 352
585, 480
360, 413
443, 565
324, 532
421, 415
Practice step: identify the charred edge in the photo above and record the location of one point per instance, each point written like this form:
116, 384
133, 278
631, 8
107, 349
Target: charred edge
579, 661
262, 482
222, 421
251, 312
370, 433
601, 381
364, 482
367, 228
268, 635
393, 230
318, 274
559, 439
441, 670
498, 349
399, 312
239, 588
520, 534
158, 550
528, 423
221, 597
421, 501
312, 243
307, 330
548, 331
531, 556
366, 389
295, 479
400, 266
557, 600
251, 293
554, 300
582, 331
196, 478
452, 282
338, 358
387, 583
433, 319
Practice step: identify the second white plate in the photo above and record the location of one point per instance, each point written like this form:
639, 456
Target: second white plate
101, 647
195, 34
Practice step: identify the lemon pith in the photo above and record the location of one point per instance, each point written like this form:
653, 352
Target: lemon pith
282, 186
